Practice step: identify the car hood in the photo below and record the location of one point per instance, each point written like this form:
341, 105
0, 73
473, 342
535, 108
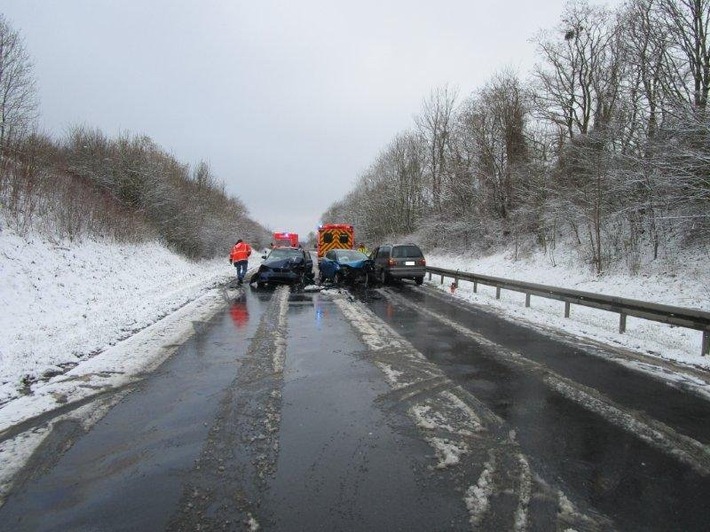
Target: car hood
289, 262
356, 264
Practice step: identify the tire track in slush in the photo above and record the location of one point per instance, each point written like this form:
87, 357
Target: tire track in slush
655, 433
225, 487
500, 490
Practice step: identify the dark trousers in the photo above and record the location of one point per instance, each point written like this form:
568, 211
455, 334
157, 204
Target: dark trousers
241, 266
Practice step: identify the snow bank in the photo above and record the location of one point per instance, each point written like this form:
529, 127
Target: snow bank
682, 280
63, 303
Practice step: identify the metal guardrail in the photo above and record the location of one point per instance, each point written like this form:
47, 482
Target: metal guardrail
679, 316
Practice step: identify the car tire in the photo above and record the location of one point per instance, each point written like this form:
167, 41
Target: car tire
384, 278
419, 280
338, 279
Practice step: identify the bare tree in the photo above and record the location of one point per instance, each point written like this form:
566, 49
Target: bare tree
577, 76
435, 125
18, 101
687, 23
496, 121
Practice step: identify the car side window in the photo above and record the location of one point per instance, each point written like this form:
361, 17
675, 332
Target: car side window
330, 255
384, 253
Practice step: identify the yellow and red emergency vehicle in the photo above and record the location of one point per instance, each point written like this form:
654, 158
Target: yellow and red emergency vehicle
335, 236
285, 240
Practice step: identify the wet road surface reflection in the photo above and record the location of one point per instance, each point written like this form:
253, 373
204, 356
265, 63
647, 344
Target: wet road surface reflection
127, 473
636, 485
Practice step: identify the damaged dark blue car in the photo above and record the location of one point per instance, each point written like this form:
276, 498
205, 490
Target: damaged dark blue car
346, 266
285, 266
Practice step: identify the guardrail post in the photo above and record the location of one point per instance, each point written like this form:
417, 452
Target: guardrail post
497, 292
622, 323
567, 305
442, 279
475, 287
430, 276
706, 343
527, 300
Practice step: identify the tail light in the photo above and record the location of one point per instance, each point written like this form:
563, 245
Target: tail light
422, 262
391, 262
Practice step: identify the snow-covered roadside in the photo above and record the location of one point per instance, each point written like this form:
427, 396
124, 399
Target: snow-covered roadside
61, 304
77, 320
683, 281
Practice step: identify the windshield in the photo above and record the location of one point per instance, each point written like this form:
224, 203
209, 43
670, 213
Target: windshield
406, 252
284, 253
349, 255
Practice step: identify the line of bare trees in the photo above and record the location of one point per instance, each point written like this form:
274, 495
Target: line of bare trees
606, 141
124, 188
87, 184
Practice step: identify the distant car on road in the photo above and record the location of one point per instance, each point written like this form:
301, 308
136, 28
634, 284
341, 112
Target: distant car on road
285, 265
346, 266
399, 261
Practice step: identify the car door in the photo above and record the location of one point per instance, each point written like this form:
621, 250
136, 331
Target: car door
381, 255
327, 265
308, 261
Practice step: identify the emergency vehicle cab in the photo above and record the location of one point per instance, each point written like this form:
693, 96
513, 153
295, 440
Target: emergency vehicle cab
335, 236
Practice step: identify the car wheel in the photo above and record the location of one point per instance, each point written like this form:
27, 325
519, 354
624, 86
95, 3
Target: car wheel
384, 278
339, 278
419, 280
321, 277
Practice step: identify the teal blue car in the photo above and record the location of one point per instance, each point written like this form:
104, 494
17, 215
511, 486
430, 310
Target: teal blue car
346, 266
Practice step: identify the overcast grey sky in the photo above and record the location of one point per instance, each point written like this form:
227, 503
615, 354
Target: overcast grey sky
288, 101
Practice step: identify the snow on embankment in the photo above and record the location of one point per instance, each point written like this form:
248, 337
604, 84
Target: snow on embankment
63, 302
682, 280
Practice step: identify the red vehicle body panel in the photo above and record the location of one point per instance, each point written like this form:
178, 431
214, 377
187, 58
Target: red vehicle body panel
288, 240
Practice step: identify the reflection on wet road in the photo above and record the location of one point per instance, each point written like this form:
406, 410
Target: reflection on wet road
390, 409
626, 444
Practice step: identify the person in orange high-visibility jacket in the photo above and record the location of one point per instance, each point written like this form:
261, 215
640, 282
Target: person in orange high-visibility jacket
240, 258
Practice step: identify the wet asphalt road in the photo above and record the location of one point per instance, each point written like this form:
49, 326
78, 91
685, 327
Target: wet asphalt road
597, 459
393, 409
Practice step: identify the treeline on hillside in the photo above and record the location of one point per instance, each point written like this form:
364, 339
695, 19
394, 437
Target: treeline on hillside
87, 184
606, 141
126, 188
